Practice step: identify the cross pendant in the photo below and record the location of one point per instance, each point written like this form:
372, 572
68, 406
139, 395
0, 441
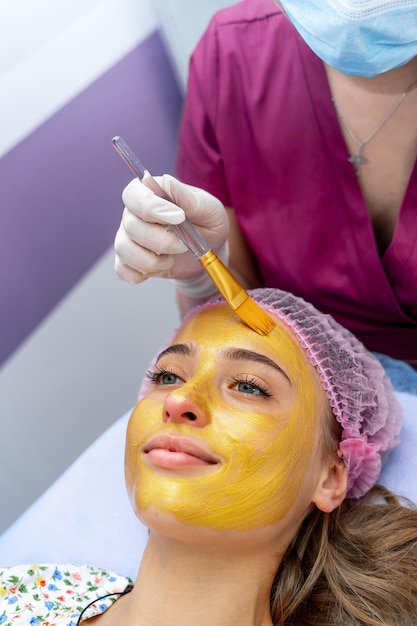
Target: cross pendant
358, 159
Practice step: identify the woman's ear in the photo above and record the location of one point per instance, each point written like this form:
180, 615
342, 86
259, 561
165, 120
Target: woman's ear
332, 485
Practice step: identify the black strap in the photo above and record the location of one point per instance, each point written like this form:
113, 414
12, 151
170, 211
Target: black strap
107, 595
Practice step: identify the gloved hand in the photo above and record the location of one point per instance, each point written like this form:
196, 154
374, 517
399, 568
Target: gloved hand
145, 246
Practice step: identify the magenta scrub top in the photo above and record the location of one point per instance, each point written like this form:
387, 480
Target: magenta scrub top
260, 132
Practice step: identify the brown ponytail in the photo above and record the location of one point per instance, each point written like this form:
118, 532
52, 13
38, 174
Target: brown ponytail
356, 566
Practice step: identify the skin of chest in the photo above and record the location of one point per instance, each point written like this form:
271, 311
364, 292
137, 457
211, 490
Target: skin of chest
392, 151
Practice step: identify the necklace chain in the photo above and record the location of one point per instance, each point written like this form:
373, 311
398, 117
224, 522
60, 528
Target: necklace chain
358, 159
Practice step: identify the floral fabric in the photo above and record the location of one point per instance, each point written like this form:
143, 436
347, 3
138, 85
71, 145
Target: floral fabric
50, 594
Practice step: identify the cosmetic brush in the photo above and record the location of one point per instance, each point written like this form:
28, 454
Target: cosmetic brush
232, 291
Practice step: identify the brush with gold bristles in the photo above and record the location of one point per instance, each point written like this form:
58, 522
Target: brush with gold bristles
232, 291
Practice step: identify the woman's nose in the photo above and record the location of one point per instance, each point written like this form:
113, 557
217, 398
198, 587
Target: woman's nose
182, 408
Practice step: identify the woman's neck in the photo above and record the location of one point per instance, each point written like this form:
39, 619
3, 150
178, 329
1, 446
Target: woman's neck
376, 111
188, 585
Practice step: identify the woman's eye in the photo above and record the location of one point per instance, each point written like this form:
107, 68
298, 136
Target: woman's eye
250, 387
163, 377
168, 379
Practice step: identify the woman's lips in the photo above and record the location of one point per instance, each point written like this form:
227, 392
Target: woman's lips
176, 452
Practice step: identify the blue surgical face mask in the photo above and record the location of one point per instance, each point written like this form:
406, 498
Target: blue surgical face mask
358, 37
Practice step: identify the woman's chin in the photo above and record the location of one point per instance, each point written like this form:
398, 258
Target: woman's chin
166, 523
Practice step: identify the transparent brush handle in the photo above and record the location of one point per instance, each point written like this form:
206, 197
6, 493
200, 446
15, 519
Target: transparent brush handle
186, 231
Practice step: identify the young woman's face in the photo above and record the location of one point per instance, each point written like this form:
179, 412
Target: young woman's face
226, 431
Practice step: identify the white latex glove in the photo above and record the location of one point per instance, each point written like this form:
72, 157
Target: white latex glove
145, 246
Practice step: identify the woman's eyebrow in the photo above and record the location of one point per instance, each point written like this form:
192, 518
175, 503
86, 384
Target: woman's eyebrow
240, 354
184, 349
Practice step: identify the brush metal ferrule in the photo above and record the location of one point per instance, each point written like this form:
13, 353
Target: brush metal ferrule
231, 290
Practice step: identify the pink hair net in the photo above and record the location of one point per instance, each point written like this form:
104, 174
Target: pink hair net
360, 393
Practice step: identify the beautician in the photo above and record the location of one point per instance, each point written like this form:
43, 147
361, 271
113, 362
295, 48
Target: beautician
301, 119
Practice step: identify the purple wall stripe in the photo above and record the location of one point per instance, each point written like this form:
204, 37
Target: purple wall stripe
60, 188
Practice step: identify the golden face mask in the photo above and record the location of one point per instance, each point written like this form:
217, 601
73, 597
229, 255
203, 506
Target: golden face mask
248, 401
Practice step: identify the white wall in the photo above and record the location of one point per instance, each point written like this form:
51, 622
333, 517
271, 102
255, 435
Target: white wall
92, 349
50, 51
183, 21
89, 353
75, 375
